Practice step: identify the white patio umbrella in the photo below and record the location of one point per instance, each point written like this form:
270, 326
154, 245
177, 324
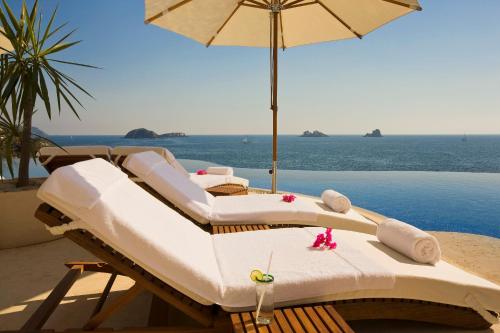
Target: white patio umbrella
4, 43
274, 24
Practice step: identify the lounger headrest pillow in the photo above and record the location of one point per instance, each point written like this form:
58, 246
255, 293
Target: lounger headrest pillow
164, 152
409, 241
82, 184
336, 201
143, 163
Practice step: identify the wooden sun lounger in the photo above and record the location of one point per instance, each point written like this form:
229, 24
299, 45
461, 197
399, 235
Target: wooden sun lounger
310, 318
327, 317
219, 190
64, 160
390, 308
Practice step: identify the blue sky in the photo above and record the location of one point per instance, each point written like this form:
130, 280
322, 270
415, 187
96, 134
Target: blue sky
431, 72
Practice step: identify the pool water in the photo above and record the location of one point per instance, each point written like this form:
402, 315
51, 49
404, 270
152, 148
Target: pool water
442, 201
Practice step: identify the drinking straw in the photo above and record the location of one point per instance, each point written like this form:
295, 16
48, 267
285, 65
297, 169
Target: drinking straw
262, 295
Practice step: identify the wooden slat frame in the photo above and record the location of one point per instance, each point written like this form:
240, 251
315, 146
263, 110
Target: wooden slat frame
63, 160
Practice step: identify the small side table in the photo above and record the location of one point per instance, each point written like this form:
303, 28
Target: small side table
228, 189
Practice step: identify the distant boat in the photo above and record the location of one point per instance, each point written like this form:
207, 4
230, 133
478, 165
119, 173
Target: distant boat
464, 138
245, 140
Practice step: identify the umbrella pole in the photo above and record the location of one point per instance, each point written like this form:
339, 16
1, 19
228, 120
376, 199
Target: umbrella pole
274, 105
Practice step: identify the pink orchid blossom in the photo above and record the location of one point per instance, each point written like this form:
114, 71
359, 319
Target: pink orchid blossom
324, 240
289, 198
201, 172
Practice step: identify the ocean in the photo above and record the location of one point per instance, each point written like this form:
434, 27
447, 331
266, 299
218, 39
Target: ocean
433, 182
334, 153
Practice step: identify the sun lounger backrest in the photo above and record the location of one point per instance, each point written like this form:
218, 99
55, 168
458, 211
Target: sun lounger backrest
167, 181
120, 153
55, 157
133, 222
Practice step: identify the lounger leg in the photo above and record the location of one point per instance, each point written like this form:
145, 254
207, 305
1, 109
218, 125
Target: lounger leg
104, 295
102, 315
42, 314
159, 312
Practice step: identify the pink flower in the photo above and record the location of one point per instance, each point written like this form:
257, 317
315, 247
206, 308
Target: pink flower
288, 198
325, 239
201, 172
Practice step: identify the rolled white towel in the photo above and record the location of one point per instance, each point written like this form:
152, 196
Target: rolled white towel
336, 201
223, 171
410, 241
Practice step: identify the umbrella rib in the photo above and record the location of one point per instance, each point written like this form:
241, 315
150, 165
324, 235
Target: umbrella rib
339, 19
225, 23
291, 3
260, 4
253, 6
169, 9
282, 34
312, 2
399, 3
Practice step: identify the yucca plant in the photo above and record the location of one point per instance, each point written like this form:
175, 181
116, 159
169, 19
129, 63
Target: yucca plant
29, 71
11, 129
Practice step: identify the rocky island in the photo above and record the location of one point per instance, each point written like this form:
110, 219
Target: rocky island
315, 134
374, 134
142, 133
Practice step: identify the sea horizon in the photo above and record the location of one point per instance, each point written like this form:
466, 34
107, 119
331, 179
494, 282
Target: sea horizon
291, 134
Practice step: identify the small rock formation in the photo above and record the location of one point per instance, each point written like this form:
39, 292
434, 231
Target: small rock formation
374, 134
315, 134
142, 133
173, 135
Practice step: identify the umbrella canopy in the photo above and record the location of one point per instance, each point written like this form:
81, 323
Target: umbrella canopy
275, 24
246, 23
4, 42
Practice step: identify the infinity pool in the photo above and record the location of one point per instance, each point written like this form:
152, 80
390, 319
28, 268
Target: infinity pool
444, 201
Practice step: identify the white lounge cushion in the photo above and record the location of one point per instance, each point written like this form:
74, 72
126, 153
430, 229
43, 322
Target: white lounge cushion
95, 175
336, 201
271, 209
139, 226
299, 271
207, 181
121, 151
266, 208
410, 241
222, 171
214, 269
204, 181
180, 190
144, 165
204, 208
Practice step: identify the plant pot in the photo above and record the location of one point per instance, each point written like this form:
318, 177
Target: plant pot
18, 226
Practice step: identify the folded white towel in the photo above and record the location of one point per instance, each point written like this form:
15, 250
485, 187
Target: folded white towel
224, 171
143, 163
82, 184
336, 201
410, 241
